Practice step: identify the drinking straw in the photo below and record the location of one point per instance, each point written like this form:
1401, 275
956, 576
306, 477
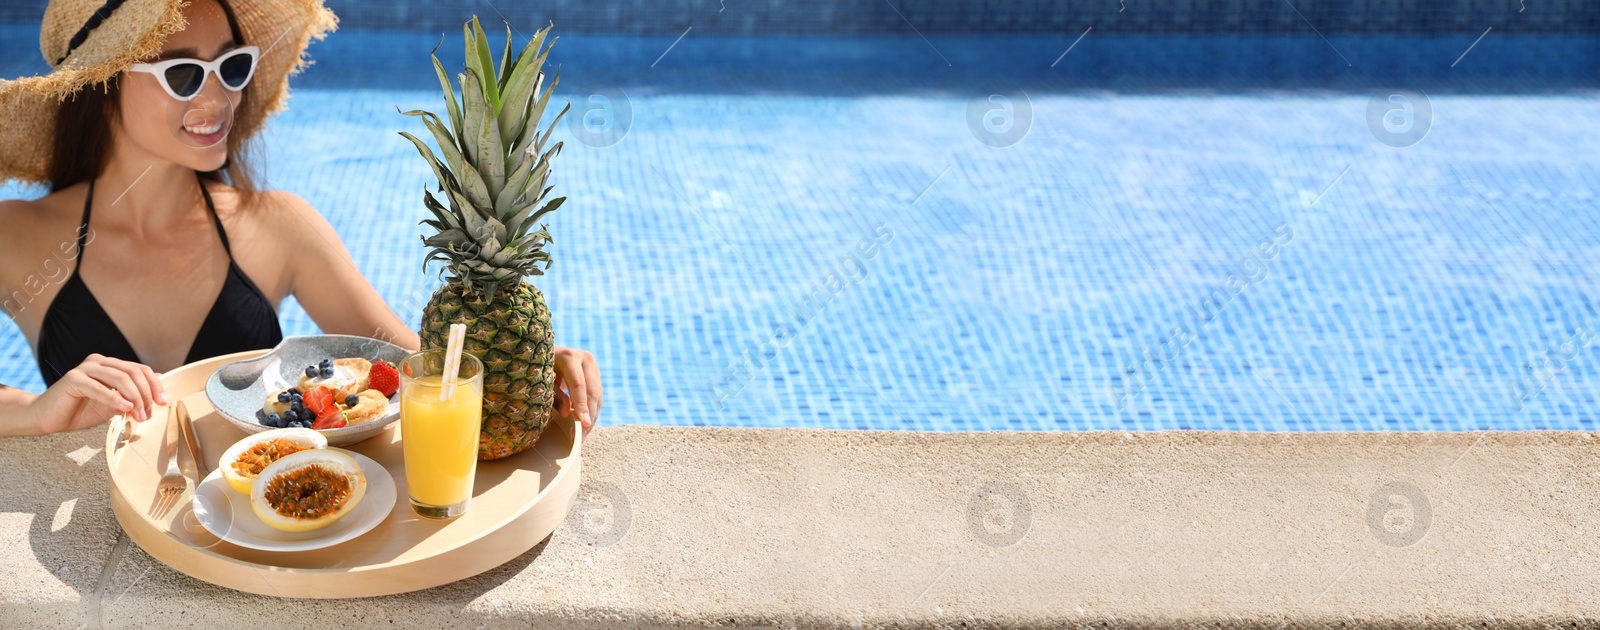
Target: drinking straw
452, 361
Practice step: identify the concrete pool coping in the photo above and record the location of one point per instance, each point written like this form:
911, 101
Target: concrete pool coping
813, 527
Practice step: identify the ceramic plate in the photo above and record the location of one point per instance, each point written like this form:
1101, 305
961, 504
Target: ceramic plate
227, 514
238, 390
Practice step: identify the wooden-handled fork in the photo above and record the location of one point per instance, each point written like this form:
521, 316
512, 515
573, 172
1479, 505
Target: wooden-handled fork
173, 483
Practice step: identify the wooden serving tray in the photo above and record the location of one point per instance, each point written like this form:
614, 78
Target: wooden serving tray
516, 503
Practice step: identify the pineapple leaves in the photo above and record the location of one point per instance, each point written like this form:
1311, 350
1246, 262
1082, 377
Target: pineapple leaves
531, 245
472, 111
536, 112
505, 60
495, 231
452, 108
534, 240
478, 60
513, 115
524, 218
538, 145
469, 181
520, 174
471, 216
489, 155
447, 180
541, 173
523, 80
534, 181
447, 219
548, 208
447, 239
492, 253
492, 162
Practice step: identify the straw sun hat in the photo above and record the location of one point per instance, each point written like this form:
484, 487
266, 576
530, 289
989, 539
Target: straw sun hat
90, 41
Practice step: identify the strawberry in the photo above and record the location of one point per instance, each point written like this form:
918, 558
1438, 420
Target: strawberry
329, 418
318, 400
384, 378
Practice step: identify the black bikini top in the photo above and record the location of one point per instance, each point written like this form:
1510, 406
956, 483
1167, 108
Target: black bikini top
75, 326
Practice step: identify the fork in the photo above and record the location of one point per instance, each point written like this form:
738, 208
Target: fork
173, 483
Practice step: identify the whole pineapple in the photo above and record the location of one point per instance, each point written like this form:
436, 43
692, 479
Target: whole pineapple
492, 181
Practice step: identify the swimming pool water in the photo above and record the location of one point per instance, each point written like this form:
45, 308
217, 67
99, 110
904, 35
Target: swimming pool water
1376, 287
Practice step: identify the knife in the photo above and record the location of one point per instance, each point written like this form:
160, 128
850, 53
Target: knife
197, 455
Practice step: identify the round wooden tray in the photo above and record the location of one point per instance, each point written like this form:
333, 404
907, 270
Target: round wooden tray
516, 503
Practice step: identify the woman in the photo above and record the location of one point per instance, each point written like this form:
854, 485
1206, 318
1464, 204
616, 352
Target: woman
153, 248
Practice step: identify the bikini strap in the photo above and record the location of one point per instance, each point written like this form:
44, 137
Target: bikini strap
214, 218
83, 228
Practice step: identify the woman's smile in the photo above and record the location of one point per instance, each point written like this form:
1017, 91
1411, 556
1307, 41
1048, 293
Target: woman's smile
208, 131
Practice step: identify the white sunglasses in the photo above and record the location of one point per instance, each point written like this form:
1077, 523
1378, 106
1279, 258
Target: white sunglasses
183, 78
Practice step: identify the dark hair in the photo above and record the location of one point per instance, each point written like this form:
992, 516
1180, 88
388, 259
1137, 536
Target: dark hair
83, 134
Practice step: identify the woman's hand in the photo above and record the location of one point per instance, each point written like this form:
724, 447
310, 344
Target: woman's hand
577, 386
93, 392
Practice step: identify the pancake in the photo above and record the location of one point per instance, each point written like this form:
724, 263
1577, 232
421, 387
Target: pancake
349, 377
372, 406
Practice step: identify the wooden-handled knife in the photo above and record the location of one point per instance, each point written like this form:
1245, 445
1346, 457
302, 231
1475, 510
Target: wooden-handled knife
197, 455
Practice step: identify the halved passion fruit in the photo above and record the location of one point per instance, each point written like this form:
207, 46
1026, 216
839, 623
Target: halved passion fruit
245, 460
308, 490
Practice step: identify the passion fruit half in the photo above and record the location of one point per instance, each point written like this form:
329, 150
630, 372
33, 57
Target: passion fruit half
247, 458
308, 490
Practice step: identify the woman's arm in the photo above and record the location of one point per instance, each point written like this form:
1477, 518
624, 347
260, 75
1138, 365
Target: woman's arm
16, 416
91, 393
325, 280
332, 290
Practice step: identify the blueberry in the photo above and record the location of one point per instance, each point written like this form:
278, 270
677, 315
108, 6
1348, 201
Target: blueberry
290, 415
296, 397
283, 397
327, 371
352, 400
299, 407
274, 420
311, 371
326, 363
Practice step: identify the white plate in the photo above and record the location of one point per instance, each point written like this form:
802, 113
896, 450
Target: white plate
227, 514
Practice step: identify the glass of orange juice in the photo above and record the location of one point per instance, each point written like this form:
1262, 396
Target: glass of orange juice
439, 434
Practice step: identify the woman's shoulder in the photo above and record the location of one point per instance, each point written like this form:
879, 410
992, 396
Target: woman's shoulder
269, 203
271, 230
30, 221
34, 232
263, 208
54, 203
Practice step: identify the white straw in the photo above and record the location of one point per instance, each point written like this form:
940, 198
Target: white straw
452, 361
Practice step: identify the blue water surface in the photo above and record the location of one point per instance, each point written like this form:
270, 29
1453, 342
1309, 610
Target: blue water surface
1024, 233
